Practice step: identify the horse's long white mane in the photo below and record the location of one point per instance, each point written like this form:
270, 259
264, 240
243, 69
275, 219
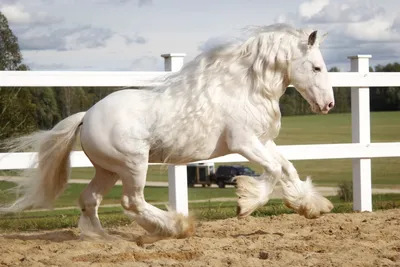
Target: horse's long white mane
253, 69
264, 52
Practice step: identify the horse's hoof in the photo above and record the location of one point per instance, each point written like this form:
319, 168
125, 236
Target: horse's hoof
238, 210
242, 213
186, 226
251, 195
312, 209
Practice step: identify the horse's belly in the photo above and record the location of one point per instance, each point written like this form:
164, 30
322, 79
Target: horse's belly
207, 148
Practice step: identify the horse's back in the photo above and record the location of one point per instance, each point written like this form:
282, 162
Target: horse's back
120, 107
132, 122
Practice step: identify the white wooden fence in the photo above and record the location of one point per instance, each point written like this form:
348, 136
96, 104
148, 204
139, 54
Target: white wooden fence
361, 150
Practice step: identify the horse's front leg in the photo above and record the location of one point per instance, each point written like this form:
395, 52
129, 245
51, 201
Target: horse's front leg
297, 194
253, 192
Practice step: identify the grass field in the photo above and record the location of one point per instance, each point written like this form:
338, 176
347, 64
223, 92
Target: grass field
319, 129
153, 194
113, 216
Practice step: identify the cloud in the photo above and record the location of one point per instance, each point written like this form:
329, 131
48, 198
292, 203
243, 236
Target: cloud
310, 8
140, 3
53, 66
336, 12
354, 27
145, 3
396, 24
89, 37
38, 30
214, 42
16, 14
385, 51
147, 63
137, 39
8, 2
375, 30
70, 38
42, 43
62, 39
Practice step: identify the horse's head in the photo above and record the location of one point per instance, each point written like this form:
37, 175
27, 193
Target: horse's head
308, 74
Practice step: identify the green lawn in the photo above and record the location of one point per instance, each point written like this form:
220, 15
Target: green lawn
153, 194
336, 128
113, 216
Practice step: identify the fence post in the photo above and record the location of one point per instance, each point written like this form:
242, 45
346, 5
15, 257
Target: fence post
361, 133
177, 174
173, 61
178, 189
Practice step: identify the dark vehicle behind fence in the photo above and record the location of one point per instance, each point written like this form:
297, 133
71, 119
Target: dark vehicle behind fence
200, 173
225, 174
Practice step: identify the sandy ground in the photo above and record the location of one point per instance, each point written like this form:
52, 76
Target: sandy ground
359, 239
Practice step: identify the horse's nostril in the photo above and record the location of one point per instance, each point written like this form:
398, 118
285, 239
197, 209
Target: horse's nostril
331, 105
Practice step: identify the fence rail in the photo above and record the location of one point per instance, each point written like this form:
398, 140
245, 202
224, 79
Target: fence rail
21, 160
361, 150
145, 78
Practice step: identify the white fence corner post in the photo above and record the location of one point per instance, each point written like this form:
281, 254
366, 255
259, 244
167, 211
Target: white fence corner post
173, 61
177, 174
361, 133
178, 188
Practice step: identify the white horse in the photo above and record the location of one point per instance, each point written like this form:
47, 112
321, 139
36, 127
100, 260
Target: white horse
224, 101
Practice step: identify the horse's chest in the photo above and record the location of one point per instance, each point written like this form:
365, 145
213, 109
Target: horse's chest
263, 119
268, 130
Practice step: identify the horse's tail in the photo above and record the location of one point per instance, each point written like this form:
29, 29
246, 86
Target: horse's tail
43, 184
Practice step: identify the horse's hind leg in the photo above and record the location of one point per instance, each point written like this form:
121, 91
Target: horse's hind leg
89, 202
158, 223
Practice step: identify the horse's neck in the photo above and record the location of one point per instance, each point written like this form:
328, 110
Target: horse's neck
265, 109
278, 84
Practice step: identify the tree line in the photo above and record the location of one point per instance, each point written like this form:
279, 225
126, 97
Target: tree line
23, 110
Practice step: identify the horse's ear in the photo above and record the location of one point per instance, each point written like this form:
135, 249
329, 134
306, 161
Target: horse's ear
312, 38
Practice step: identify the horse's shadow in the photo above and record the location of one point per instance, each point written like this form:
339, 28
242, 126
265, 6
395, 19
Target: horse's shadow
258, 232
54, 236
70, 235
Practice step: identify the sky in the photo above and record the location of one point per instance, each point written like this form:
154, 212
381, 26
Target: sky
131, 35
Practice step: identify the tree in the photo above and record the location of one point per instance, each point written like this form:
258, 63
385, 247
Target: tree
388, 98
71, 100
16, 112
16, 107
342, 96
46, 109
292, 103
10, 55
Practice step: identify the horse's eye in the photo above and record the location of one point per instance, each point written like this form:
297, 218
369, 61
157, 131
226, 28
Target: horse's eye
317, 69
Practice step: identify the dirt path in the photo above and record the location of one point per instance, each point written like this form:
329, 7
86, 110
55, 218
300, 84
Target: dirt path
359, 239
